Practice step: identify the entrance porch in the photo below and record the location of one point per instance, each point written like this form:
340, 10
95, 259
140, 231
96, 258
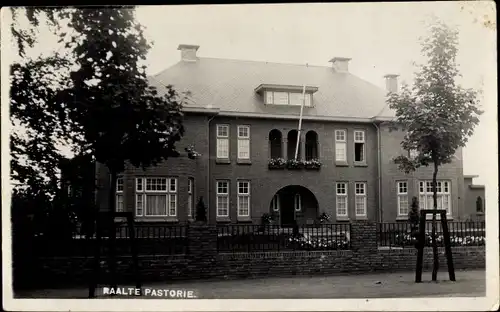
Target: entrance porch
294, 204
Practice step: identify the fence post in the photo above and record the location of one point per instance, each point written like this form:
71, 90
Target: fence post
202, 254
364, 237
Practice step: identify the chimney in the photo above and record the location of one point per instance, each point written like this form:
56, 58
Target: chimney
188, 52
391, 83
340, 64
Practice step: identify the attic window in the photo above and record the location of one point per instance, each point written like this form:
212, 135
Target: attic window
287, 98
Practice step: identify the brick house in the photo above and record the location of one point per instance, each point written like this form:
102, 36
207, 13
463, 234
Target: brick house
474, 199
244, 113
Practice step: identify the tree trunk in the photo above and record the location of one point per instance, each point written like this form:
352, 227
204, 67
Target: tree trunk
435, 266
112, 228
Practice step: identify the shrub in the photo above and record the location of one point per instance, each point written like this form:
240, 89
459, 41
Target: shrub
201, 211
324, 217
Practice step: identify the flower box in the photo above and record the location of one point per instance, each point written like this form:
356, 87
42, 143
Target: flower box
312, 164
276, 163
293, 164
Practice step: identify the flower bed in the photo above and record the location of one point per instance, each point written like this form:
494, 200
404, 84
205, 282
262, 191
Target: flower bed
273, 241
469, 240
306, 242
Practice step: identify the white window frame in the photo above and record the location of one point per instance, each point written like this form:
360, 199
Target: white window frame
339, 142
275, 203
270, 98
119, 197
222, 138
425, 195
190, 201
242, 139
402, 193
171, 196
222, 195
359, 196
297, 202
241, 196
342, 195
363, 141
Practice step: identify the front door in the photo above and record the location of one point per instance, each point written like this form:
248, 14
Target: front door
287, 211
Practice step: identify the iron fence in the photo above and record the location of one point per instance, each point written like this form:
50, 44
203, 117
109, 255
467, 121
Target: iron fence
258, 238
467, 233
157, 239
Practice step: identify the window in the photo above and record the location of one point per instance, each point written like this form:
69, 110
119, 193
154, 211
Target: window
340, 145
156, 197
190, 202
296, 99
223, 141
280, 98
403, 198
119, 195
311, 145
443, 189
222, 198
288, 98
342, 199
297, 203
360, 199
293, 136
243, 198
479, 204
275, 141
269, 97
275, 203
243, 142
359, 146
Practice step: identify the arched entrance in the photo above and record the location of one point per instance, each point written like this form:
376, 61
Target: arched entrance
294, 204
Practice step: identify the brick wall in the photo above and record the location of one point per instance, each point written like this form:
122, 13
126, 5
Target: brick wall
203, 261
206, 171
471, 195
266, 183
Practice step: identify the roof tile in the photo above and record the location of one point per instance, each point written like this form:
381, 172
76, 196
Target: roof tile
230, 86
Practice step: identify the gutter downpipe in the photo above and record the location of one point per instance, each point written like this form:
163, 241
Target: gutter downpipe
379, 176
208, 167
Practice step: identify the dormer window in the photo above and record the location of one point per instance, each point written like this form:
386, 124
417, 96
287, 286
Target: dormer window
287, 98
286, 95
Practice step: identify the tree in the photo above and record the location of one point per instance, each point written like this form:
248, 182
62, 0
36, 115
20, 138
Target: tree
116, 116
437, 114
201, 211
39, 123
107, 110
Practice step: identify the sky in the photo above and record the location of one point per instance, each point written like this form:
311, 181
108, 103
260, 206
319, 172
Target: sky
380, 38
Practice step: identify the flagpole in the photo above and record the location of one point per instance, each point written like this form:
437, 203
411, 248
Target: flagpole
300, 121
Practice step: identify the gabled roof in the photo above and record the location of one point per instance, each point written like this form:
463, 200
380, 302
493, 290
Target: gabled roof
229, 86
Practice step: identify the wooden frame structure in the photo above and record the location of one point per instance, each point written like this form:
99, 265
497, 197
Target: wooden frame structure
106, 221
421, 243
